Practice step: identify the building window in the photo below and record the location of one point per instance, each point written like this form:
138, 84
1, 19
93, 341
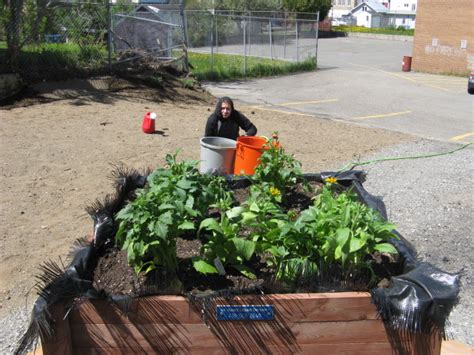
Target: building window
413, 7
405, 5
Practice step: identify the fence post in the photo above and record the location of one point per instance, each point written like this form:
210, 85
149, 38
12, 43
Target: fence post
212, 43
186, 38
297, 44
250, 32
109, 34
244, 22
217, 34
185, 35
317, 35
284, 38
271, 40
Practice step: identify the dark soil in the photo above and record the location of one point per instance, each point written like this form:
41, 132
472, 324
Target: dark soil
114, 276
162, 83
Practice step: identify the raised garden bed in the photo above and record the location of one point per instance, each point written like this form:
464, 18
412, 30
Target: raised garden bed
305, 247
329, 323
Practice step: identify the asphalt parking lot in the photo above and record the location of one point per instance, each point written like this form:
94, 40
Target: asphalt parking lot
361, 81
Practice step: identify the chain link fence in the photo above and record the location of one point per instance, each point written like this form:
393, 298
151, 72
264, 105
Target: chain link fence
60, 40
87, 37
147, 33
256, 35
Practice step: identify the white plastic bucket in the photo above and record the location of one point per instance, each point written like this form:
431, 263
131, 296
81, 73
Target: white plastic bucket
217, 155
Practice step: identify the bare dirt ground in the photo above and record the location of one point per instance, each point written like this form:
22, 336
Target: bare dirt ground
56, 153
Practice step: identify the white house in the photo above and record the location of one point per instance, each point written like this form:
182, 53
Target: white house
341, 8
383, 13
369, 13
402, 13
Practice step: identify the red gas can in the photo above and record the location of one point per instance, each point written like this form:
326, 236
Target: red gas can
148, 124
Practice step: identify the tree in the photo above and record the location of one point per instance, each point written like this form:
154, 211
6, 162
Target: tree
323, 6
13, 30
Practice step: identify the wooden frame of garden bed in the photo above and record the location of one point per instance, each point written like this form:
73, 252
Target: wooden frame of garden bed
316, 323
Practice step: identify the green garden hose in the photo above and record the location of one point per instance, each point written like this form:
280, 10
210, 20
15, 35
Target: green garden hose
354, 164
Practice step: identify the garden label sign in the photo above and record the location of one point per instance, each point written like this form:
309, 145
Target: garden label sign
245, 312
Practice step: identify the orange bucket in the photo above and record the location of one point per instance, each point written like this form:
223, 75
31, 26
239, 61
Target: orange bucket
247, 154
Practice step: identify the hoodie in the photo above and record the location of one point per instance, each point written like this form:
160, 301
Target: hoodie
217, 126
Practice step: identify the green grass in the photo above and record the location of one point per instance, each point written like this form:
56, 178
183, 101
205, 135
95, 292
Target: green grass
52, 60
230, 67
386, 31
3, 45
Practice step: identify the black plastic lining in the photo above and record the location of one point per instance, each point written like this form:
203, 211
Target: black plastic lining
64, 285
418, 301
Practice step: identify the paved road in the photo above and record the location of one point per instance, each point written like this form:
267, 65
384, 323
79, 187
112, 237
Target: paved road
360, 80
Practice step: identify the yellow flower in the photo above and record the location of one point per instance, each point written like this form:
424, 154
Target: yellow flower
331, 180
274, 191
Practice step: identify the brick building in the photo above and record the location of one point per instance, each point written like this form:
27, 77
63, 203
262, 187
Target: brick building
444, 37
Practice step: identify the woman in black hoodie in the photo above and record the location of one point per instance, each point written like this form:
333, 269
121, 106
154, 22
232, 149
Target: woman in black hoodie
226, 121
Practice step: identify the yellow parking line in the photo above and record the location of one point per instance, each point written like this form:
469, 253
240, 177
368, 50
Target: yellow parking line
382, 115
281, 111
307, 102
462, 136
417, 80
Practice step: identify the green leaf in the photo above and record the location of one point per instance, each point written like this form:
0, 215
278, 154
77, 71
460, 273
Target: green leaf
386, 248
166, 218
347, 215
342, 235
184, 184
355, 245
211, 225
385, 227
186, 225
151, 266
246, 248
124, 213
338, 253
246, 271
235, 212
254, 207
203, 267
248, 217
161, 230
166, 206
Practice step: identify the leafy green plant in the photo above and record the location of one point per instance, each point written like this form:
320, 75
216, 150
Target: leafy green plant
188, 83
278, 168
170, 206
336, 230
346, 230
224, 246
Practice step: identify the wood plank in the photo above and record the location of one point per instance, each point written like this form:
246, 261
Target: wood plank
243, 335
450, 347
61, 342
323, 349
176, 309
456, 348
162, 309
